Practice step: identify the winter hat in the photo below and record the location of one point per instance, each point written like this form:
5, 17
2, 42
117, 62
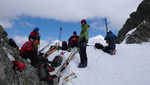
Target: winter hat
36, 29
74, 32
83, 21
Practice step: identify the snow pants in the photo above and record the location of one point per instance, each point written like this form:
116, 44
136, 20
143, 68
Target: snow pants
82, 51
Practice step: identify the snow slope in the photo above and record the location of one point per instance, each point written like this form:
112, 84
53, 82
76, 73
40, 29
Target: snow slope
130, 66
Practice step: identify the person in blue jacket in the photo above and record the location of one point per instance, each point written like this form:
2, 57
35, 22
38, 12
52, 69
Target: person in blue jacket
111, 40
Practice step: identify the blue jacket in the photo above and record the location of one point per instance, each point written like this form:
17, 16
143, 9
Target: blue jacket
111, 40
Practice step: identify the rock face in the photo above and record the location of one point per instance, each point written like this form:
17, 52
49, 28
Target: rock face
140, 19
8, 76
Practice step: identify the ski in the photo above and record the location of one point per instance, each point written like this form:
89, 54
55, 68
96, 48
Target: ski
70, 77
66, 63
50, 51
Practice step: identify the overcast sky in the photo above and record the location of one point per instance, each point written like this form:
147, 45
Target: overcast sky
67, 10
19, 17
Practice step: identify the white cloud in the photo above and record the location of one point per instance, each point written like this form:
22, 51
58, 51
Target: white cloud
67, 10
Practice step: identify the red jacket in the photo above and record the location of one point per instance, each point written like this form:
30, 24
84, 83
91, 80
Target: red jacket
74, 40
34, 35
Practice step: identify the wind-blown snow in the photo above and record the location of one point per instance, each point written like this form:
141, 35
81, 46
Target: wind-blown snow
130, 66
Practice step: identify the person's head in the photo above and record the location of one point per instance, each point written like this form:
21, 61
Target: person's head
36, 29
83, 21
109, 32
74, 33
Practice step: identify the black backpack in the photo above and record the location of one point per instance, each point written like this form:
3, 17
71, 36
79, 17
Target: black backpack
98, 46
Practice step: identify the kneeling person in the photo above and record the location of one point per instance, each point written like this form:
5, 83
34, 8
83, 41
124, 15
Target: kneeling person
111, 40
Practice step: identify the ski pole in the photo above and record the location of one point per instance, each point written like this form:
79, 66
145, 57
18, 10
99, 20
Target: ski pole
60, 31
106, 25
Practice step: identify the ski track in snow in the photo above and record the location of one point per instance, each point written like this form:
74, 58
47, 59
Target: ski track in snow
130, 66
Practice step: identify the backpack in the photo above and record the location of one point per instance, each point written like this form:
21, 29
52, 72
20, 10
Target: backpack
98, 46
57, 61
64, 45
27, 47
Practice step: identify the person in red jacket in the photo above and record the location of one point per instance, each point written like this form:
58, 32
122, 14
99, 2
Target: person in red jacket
73, 40
35, 36
29, 51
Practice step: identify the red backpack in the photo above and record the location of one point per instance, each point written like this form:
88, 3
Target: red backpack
27, 47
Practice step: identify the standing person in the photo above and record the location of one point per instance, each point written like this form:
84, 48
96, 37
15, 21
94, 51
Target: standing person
83, 40
73, 40
35, 36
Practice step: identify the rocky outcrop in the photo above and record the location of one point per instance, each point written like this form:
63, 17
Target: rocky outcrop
8, 77
141, 34
136, 19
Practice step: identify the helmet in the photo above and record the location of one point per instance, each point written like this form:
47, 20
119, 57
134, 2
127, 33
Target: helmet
83, 21
36, 29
